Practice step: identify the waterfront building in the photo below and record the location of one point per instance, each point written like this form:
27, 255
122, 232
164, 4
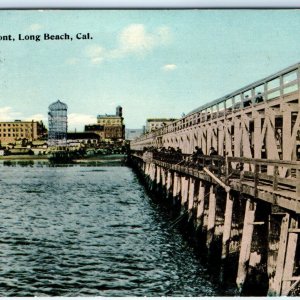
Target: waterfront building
114, 133
156, 123
86, 138
97, 129
14, 131
58, 124
110, 128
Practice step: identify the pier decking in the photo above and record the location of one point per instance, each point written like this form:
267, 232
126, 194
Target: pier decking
246, 199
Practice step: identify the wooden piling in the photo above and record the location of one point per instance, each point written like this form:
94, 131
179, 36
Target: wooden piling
290, 257
184, 190
200, 206
246, 243
175, 184
191, 193
163, 178
227, 225
189, 188
169, 184
211, 216
158, 174
146, 169
152, 176
276, 282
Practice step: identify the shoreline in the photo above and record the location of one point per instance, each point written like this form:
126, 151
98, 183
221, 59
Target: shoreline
112, 159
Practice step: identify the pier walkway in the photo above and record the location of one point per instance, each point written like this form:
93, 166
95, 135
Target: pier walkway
246, 197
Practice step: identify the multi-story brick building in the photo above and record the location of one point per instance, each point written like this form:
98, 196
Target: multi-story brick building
109, 127
95, 128
17, 130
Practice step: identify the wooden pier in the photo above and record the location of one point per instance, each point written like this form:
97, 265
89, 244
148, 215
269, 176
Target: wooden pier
245, 199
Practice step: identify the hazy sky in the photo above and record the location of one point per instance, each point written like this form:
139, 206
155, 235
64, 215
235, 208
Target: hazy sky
154, 63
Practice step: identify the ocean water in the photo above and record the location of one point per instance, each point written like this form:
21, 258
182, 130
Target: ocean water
90, 231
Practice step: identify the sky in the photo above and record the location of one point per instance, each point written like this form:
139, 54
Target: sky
154, 63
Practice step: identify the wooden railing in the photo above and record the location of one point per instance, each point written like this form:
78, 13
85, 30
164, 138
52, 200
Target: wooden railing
279, 175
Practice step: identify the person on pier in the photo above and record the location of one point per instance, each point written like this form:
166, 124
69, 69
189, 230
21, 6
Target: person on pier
196, 155
259, 98
178, 154
212, 151
247, 101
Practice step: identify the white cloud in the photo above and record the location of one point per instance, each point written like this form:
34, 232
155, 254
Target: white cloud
95, 53
35, 27
136, 39
8, 114
133, 39
169, 67
76, 120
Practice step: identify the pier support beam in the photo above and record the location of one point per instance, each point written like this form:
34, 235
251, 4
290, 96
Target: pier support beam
163, 178
191, 193
276, 282
184, 190
211, 216
158, 177
176, 187
290, 257
227, 225
169, 184
200, 206
246, 243
152, 176
175, 183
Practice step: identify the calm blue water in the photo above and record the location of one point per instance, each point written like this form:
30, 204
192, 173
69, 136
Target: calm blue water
89, 231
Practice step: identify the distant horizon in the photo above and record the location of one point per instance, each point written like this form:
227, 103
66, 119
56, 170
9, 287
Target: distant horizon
153, 63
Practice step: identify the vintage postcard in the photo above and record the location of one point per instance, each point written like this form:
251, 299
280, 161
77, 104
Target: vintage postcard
149, 152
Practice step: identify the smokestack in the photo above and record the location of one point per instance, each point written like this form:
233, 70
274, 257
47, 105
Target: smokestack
119, 111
